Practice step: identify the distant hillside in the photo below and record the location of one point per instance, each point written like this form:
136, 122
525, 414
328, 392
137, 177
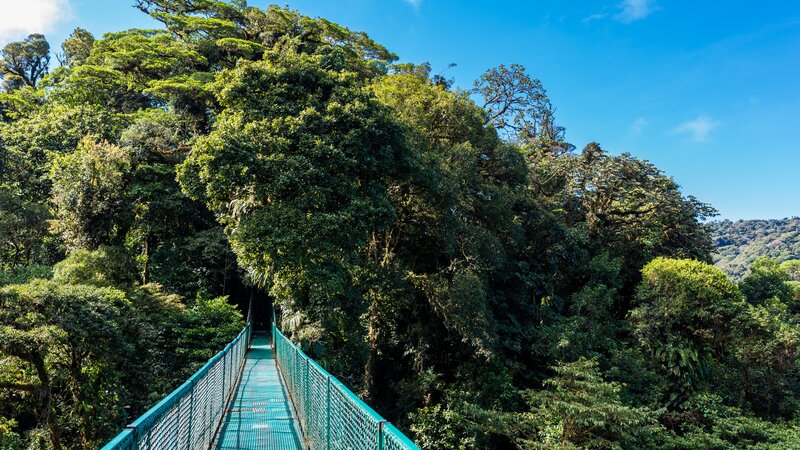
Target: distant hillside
742, 242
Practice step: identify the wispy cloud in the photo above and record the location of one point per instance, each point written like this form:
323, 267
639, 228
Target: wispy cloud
626, 12
633, 10
698, 129
637, 127
20, 18
414, 3
596, 16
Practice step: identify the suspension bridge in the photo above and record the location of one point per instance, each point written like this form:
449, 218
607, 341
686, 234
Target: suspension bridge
261, 394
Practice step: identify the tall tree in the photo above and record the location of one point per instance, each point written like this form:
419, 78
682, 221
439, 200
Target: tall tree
65, 334
77, 47
24, 63
579, 409
89, 194
517, 105
685, 318
628, 207
297, 169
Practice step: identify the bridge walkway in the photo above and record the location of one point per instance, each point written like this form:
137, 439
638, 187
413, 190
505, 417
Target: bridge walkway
240, 400
260, 414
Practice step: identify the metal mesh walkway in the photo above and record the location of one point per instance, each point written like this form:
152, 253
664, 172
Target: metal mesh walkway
260, 415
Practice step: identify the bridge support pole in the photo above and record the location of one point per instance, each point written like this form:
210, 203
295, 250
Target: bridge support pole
307, 401
328, 415
191, 417
380, 434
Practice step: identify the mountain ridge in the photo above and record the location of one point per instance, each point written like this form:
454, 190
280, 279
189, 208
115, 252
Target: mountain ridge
739, 243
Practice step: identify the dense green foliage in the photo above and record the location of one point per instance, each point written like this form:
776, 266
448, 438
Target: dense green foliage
86, 344
446, 253
739, 244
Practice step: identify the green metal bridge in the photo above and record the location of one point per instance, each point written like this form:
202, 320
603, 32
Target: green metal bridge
257, 394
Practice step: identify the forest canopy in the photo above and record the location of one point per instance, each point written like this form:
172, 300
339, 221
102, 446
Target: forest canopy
445, 252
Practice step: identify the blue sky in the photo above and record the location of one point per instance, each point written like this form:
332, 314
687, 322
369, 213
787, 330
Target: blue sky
707, 91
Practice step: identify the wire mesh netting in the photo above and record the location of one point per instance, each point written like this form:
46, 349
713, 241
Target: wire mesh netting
188, 417
332, 417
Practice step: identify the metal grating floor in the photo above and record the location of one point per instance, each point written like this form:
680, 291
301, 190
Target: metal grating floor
260, 415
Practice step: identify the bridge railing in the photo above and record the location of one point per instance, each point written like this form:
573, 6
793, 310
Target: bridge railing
188, 417
332, 417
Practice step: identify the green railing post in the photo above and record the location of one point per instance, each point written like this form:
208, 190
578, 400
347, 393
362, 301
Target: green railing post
328, 415
305, 395
224, 374
380, 434
191, 417
209, 414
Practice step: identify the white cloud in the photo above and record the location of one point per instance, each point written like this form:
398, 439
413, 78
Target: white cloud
596, 16
698, 129
633, 10
21, 18
626, 12
414, 3
638, 126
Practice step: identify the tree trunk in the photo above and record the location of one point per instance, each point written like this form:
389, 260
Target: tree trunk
146, 268
371, 368
77, 381
47, 401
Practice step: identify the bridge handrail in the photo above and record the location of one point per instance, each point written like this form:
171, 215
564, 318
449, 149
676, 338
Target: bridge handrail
188, 417
332, 416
